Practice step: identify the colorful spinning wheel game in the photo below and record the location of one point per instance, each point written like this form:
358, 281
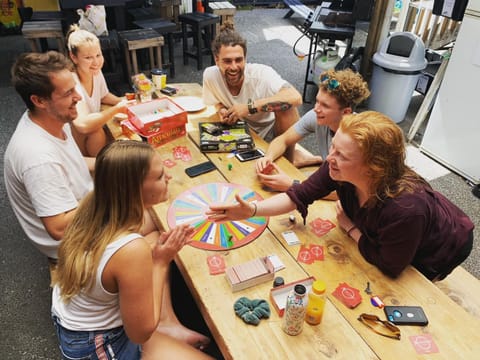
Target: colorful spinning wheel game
190, 207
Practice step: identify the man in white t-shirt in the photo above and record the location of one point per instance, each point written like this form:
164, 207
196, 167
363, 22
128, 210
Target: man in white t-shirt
45, 173
255, 93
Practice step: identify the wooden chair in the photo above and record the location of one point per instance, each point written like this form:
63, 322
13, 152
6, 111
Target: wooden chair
203, 27
37, 30
133, 40
166, 28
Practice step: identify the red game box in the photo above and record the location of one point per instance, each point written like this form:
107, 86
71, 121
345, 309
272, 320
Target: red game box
157, 139
161, 115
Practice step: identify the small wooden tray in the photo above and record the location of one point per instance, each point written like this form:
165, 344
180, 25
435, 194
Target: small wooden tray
278, 295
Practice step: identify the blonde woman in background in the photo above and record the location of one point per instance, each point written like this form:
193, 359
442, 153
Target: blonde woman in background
111, 294
86, 54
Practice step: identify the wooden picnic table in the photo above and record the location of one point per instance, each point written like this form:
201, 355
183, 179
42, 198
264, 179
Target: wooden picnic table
451, 333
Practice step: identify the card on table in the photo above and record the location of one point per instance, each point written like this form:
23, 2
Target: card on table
424, 344
290, 237
216, 264
169, 163
320, 226
348, 295
304, 255
182, 153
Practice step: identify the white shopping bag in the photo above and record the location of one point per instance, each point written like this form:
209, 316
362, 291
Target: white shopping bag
93, 19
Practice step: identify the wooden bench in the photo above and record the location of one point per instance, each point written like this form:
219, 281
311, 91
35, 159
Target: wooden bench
296, 6
463, 288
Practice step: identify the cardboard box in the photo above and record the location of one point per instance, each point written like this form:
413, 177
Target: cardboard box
251, 273
157, 116
160, 138
278, 295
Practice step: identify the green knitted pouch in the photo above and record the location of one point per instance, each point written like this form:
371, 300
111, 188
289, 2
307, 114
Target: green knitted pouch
252, 311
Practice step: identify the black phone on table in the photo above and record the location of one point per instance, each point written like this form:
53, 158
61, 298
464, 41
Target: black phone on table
200, 169
406, 315
249, 155
168, 90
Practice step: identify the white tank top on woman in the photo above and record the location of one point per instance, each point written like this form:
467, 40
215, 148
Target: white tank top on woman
95, 309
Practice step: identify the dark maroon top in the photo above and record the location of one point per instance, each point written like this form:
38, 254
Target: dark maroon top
421, 228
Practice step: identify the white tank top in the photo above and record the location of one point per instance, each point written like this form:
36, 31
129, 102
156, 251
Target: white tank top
95, 309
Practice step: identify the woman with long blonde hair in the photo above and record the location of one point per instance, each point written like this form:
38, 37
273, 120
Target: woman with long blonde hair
393, 214
111, 282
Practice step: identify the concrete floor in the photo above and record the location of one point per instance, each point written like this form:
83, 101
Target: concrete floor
26, 331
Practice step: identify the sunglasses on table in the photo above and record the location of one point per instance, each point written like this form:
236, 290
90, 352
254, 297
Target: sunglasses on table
379, 326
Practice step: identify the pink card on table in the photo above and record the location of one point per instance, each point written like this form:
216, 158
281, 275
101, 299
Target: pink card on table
216, 264
304, 255
169, 163
317, 251
320, 226
424, 344
348, 295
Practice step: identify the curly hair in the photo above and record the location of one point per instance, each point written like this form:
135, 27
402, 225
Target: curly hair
382, 145
348, 87
228, 37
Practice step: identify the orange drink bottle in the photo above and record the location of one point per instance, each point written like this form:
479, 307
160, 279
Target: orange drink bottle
316, 303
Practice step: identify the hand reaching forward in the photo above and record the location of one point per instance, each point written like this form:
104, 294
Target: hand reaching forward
237, 211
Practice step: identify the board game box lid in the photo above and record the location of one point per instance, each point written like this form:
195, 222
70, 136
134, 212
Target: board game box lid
220, 137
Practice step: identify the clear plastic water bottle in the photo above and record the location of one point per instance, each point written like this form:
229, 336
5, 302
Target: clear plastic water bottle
295, 309
316, 303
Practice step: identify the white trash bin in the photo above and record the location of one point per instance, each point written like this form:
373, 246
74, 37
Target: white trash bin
397, 67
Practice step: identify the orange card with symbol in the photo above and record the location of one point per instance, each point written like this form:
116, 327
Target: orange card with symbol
304, 255
216, 264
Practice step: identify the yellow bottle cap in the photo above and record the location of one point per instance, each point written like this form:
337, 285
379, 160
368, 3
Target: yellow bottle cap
319, 287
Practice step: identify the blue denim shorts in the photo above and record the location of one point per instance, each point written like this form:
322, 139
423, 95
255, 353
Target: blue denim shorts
112, 344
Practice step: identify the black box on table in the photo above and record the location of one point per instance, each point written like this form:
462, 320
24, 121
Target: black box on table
220, 137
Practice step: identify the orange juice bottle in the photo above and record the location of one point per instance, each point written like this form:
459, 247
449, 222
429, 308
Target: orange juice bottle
316, 303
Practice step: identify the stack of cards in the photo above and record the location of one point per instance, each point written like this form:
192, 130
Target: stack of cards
290, 237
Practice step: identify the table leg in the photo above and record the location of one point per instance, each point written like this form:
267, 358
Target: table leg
159, 57
171, 56
185, 45
313, 39
129, 64
134, 61
33, 45
198, 33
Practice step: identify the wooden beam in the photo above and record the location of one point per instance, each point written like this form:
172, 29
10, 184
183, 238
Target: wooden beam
378, 30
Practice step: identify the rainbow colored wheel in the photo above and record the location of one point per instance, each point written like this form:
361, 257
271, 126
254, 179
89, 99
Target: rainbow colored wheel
190, 207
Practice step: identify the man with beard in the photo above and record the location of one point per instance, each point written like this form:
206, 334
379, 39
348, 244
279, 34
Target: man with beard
45, 172
254, 93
